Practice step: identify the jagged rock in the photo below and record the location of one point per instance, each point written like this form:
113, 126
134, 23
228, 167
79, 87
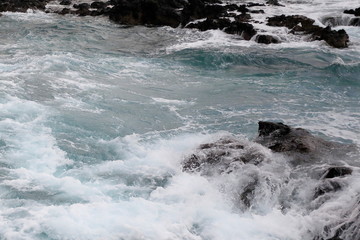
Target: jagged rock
297, 142
210, 24
274, 2
246, 30
221, 156
297, 22
355, 11
244, 17
266, 39
98, 5
303, 25
337, 39
22, 5
82, 6
337, 171
65, 11
257, 11
146, 12
252, 4
197, 9
65, 2
354, 22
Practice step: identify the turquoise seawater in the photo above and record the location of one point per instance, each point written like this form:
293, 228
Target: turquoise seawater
95, 119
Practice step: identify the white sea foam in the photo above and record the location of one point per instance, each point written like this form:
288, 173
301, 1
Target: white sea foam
68, 170
29, 143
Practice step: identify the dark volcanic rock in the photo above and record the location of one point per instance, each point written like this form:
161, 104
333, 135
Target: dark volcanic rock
355, 11
197, 9
337, 39
296, 22
303, 25
354, 22
246, 30
297, 142
21, 5
98, 5
65, 2
222, 156
210, 24
336, 171
274, 2
145, 12
266, 39
65, 11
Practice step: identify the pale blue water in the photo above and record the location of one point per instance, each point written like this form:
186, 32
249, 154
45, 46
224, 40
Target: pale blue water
95, 120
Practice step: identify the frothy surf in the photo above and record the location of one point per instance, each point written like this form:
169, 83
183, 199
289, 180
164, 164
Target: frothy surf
97, 120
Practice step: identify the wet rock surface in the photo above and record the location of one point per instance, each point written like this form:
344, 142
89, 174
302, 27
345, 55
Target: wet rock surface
248, 162
199, 14
355, 11
22, 5
303, 25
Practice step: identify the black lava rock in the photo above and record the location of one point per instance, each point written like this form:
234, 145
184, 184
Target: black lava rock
355, 11
335, 171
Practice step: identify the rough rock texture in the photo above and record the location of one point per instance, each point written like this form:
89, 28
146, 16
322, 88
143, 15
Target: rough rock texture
303, 25
200, 14
337, 171
22, 5
354, 22
210, 24
221, 156
245, 30
355, 11
145, 12
296, 141
266, 39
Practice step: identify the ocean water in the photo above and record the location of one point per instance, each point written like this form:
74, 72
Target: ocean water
96, 119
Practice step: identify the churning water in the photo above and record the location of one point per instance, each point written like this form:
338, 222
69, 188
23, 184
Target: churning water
96, 118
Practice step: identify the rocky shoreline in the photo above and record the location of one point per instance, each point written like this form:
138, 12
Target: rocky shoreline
232, 156
198, 14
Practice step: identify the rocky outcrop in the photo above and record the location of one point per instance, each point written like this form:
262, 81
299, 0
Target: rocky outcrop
200, 14
298, 143
303, 25
278, 137
355, 11
146, 12
337, 171
221, 156
354, 22
266, 39
22, 5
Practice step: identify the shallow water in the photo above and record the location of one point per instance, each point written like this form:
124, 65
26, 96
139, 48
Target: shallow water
96, 119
